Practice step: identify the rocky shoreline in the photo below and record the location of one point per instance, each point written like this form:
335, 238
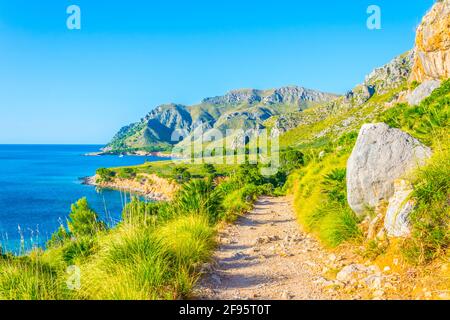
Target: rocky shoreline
129, 153
151, 187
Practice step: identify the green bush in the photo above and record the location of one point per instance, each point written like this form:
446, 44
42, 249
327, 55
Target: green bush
210, 170
181, 174
431, 218
427, 119
127, 173
238, 201
321, 202
83, 221
338, 224
105, 175
29, 279
58, 238
249, 174
76, 250
200, 197
334, 185
141, 263
291, 160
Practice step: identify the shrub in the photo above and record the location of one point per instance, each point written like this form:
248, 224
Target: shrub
83, 221
291, 159
210, 170
338, 224
321, 202
425, 120
348, 139
334, 185
142, 263
127, 173
58, 238
249, 174
130, 265
105, 175
200, 197
431, 218
76, 250
27, 279
181, 174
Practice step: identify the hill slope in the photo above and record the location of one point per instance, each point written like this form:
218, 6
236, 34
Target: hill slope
243, 109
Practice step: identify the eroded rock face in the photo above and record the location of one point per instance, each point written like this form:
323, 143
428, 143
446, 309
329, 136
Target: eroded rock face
423, 91
381, 155
396, 221
432, 60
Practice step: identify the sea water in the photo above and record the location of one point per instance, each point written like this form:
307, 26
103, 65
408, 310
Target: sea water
38, 184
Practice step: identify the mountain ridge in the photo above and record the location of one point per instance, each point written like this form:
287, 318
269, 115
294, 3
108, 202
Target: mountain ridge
237, 109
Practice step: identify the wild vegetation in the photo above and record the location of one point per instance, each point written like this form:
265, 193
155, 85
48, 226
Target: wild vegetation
155, 252
319, 186
430, 123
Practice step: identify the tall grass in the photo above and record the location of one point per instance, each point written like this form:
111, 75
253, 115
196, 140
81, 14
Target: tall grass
29, 278
430, 123
150, 262
426, 120
320, 201
200, 197
155, 252
431, 218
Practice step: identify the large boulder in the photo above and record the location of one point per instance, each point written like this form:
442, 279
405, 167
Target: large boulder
381, 155
432, 59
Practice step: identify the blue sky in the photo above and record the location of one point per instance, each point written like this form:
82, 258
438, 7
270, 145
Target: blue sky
80, 86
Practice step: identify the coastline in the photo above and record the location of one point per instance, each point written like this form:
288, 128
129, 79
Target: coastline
149, 186
129, 153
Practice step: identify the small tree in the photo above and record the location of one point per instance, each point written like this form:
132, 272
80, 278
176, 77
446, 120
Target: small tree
83, 221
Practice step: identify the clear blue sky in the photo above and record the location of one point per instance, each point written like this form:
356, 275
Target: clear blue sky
81, 86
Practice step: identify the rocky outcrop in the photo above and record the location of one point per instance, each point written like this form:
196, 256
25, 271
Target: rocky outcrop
432, 60
380, 81
396, 221
423, 91
294, 95
148, 185
391, 75
291, 95
234, 97
381, 155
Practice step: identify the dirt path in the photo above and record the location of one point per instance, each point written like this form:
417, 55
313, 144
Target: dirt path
265, 256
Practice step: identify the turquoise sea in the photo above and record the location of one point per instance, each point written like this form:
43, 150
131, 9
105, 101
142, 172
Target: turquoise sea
38, 183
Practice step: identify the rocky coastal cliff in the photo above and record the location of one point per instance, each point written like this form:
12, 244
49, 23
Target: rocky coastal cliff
150, 186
